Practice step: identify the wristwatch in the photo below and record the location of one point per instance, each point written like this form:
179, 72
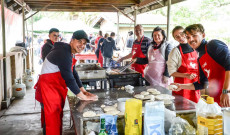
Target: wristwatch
225, 91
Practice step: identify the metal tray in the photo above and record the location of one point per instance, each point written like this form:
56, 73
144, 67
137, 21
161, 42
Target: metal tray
90, 71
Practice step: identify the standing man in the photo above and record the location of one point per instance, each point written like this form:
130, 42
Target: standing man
130, 40
58, 72
53, 37
182, 65
107, 48
214, 65
139, 50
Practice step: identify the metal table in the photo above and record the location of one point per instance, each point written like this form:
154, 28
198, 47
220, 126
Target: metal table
109, 97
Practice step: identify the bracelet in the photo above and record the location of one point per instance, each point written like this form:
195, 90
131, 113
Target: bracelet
224, 91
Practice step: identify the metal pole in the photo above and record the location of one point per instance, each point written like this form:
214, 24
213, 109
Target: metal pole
118, 22
4, 50
32, 38
23, 32
168, 18
135, 21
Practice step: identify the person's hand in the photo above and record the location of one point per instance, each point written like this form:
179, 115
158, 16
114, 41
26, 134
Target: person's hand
165, 79
191, 76
224, 100
178, 86
82, 96
120, 60
90, 94
134, 60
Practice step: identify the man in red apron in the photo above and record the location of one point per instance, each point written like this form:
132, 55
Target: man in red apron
183, 66
46, 48
139, 50
58, 72
214, 65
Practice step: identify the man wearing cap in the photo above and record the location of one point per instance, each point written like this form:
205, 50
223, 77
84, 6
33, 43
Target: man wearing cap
58, 72
53, 37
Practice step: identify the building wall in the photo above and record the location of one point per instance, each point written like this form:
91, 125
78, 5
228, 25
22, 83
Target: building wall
13, 29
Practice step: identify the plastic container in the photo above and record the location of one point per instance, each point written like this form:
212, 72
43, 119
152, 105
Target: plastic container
209, 118
227, 121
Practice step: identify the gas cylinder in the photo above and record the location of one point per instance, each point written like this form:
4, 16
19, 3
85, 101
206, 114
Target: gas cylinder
19, 88
28, 79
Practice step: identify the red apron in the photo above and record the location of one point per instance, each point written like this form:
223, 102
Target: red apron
215, 74
137, 53
51, 90
188, 65
100, 58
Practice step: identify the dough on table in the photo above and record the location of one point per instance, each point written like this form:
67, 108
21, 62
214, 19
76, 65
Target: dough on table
103, 106
167, 102
151, 97
144, 93
113, 112
164, 97
139, 96
109, 108
89, 114
154, 91
115, 105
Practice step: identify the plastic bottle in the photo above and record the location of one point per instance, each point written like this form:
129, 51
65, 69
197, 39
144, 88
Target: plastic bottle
209, 120
103, 129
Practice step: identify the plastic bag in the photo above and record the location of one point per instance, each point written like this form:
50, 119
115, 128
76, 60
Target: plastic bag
154, 118
183, 125
110, 124
133, 117
169, 116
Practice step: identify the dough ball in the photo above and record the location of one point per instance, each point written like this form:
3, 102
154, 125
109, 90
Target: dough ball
172, 87
144, 93
122, 88
165, 97
103, 106
168, 102
89, 114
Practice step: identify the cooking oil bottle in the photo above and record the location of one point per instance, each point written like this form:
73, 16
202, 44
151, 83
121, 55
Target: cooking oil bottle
209, 119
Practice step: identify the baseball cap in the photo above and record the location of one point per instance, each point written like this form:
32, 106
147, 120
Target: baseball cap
80, 34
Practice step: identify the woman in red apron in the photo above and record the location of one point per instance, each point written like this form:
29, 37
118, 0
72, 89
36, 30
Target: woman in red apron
182, 64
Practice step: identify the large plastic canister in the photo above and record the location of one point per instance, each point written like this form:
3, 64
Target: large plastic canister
209, 119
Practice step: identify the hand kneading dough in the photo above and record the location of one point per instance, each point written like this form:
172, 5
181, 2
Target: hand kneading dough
139, 96
144, 93
172, 87
109, 108
89, 114
113, 112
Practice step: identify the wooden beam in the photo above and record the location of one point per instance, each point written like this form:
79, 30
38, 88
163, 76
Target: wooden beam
9, 4
122, 12
38, 11
16, 7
